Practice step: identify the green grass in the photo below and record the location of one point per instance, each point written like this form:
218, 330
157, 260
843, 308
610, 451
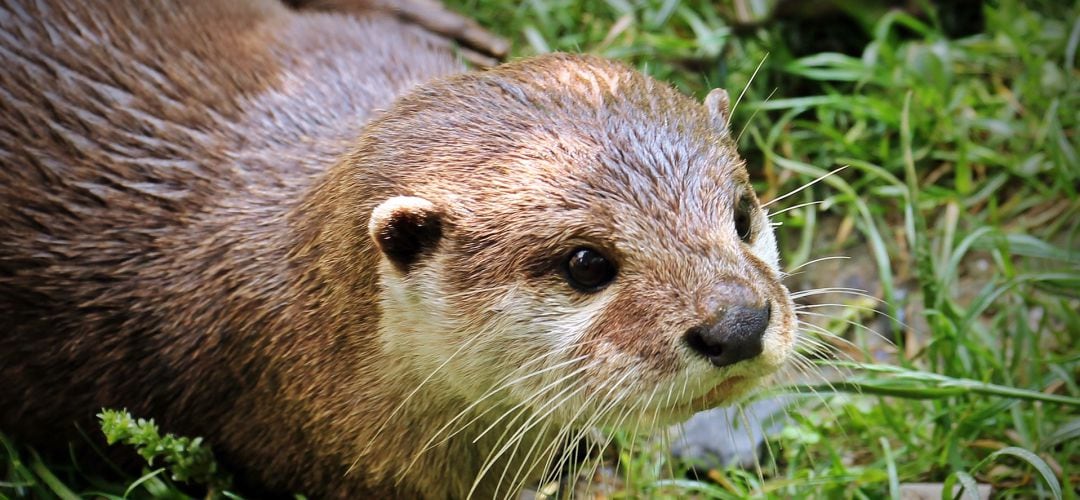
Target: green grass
961, 186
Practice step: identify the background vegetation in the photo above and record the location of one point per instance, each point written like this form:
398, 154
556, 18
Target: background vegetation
957, 124
958, 203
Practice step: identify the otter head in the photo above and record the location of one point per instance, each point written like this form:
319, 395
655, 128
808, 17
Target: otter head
567, 235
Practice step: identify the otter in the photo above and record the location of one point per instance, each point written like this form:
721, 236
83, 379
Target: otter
354, 267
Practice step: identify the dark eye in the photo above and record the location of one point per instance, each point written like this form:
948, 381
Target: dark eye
588, 270
743, 225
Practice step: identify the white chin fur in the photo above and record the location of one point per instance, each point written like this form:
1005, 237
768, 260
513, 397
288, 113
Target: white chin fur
472, 351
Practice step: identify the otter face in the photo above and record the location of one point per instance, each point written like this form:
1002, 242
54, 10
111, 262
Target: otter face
598, 257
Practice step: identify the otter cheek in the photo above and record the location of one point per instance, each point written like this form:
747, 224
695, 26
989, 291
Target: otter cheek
630, 333
764, 247
779, 340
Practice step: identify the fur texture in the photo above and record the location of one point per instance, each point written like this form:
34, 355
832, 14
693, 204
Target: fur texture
187, 190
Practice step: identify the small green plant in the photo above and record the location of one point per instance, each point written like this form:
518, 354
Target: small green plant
187, 459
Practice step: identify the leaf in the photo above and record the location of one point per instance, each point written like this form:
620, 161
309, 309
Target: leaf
969, 488
890, 466
889, 380
55, 485
141, 480
1038, 463
1069, 430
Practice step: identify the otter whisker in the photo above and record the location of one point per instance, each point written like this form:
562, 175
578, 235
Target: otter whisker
554, 443
512, 431
512, 437
858, 307
682, 392
792, 271
652, 423
535, 417
498, 388
640, 408
523, 461
750, 120
838, 290
617, 423
811, 370
803, 366
814, 336
613, 397
825, 334
493, 391
804, 186
639, 420
795, 207
534, 414
808, 371
741, 410
748, 82
430, 443
517, 481
583, 428
541, 391
812, 346
852, 323
374, 437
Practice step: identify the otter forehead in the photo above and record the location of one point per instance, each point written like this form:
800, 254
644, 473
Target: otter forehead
671, 203
540, 117
592, 145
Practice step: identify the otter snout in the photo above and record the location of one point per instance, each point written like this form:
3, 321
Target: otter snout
733, 334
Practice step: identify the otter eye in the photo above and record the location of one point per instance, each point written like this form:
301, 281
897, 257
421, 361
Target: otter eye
588, 270
743, 225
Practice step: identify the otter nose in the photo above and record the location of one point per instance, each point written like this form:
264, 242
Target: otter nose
733, 336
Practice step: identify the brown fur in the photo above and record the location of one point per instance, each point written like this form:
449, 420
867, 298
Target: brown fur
153, 255
186, 189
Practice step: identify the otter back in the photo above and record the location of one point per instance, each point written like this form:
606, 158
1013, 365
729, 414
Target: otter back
149, 154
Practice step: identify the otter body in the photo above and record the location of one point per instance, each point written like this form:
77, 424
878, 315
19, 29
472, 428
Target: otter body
313, 240
154, 248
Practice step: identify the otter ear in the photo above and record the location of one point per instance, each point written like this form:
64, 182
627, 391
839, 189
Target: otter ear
719, 106
404, 228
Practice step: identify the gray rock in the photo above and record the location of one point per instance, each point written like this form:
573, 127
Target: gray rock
933, 491
723, 437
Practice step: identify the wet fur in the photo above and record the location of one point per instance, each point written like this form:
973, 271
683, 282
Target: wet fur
186, 195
